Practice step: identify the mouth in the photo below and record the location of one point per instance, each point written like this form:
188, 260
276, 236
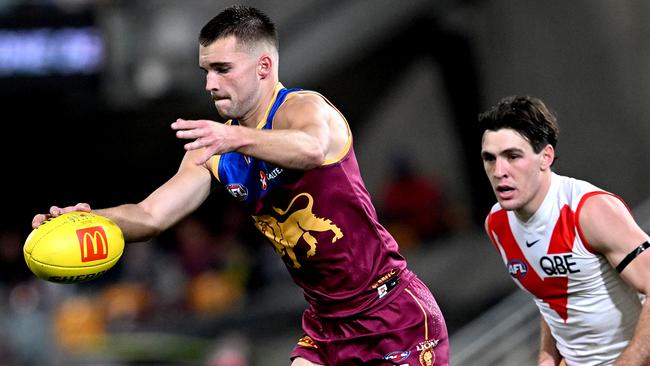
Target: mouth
216, 97
504, 191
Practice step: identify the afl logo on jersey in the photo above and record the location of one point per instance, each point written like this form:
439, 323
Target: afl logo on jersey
397, 356
517, 268
238, 191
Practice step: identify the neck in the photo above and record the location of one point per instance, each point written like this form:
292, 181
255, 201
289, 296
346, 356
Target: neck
267, 91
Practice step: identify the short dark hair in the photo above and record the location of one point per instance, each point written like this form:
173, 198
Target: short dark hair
527, 115
249, 25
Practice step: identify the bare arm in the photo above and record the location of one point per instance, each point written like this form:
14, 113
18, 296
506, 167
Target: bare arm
610, 228
307, 132
172, 201
548, 354
638, 351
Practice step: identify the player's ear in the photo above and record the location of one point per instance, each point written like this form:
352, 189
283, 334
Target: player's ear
547, 156
264, 66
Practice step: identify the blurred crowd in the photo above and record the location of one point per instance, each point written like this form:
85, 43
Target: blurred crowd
415, 207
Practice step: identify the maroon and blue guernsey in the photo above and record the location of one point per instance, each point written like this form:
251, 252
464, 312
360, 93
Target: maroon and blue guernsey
321, 222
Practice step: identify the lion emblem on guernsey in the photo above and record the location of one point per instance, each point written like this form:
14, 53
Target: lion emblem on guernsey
299, 224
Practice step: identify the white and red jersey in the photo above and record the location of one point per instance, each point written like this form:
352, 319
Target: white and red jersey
591, 312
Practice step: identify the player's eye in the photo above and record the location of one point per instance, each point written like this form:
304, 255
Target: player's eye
488, 157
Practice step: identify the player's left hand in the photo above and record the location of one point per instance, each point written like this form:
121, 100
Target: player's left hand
214, 137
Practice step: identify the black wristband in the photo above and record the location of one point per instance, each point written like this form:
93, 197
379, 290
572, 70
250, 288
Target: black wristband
633, 254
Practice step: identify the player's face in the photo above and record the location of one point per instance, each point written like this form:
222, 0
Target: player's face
231, 77
519, 177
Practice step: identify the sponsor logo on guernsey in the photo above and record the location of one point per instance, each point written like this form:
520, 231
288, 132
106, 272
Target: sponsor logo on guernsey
397, 356
382, 290
558, 264
384, 278
263, 181
237, 190
93, 243
265, 177
427, 345
274, 173
517, 268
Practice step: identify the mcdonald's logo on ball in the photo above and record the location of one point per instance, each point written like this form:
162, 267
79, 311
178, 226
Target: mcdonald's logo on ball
74, 247
93, 243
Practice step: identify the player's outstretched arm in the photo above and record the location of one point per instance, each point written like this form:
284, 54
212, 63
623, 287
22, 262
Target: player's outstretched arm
172, 201
306, 132
609, 227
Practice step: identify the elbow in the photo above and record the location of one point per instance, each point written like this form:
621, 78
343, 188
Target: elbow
152, 232
313, 159
142, 234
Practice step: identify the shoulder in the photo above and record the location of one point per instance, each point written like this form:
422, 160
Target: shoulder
304, 101
496, 212
303, 107
602, 205
604, 218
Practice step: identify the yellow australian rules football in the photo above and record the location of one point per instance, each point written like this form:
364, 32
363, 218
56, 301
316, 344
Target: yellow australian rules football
73, 247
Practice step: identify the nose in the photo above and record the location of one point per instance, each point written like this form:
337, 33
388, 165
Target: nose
500, 167
211, 82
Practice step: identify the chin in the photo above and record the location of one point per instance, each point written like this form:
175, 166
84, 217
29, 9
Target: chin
509, 205
229, 113
224, 114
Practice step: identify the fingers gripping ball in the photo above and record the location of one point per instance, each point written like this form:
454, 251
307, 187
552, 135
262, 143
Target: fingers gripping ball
74, 247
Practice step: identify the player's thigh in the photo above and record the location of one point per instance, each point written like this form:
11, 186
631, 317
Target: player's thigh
299, 361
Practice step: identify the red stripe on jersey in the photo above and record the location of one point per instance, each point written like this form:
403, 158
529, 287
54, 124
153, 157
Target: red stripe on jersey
551, 290
564, 233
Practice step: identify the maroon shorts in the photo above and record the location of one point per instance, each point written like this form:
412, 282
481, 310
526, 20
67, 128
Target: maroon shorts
410, 330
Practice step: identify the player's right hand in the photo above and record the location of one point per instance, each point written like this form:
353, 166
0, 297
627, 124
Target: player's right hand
57, 211
215, 138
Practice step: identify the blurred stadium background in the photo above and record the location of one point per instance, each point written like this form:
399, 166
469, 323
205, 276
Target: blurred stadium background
89, 88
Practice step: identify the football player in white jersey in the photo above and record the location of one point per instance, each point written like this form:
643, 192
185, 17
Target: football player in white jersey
573, 246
